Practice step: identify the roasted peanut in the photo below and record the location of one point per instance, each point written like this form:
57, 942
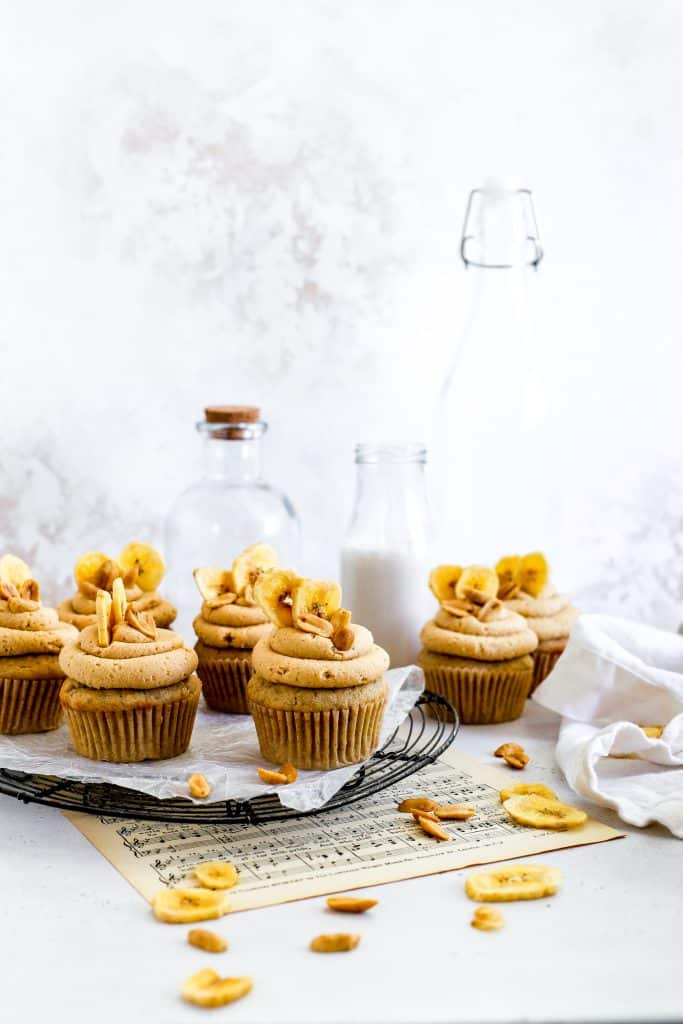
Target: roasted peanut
432, 828
455, 812
273, 778
350, 904
340, 942
487, 919
418, 803
202, 938
515, 755
424, 814
198, 786
289, 771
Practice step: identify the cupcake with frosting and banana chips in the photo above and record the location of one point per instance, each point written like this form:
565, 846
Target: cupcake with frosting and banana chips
130, 693
318, 691
229, 626
31, 637
140, 566
476, 652
525, 587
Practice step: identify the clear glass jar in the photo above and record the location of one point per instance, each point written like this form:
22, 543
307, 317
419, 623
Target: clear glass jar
387, 550
498, 468
230, 507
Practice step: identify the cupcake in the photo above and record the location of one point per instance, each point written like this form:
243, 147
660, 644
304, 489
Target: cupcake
318, 691
228, 627
525, 588
476, 652
141, 568
130, 692
31, 638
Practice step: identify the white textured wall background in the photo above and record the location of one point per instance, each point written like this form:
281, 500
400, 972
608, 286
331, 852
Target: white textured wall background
224, 201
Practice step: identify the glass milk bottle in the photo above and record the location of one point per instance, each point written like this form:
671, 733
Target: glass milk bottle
497, 480
230, 507
386, 553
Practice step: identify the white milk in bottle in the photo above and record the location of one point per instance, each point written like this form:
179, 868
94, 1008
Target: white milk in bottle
386, 554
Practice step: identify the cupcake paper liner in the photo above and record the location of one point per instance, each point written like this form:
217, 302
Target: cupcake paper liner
224, 683
544, 663
484, 694
29, 705
145, 733
319, 740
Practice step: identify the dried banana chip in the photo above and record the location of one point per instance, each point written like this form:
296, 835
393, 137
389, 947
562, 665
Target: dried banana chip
273, 592
251, 564
207, 988
184, 906
517, 882
443, 580
527, 789
216, 874
533, 573
479, 579
150, 564
543, 812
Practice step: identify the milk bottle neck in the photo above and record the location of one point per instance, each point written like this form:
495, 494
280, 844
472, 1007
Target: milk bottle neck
390, 508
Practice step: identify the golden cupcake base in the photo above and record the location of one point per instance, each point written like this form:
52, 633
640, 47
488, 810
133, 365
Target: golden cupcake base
482, 692
224, 675
145, 726
29, 705
321, 738
545, 661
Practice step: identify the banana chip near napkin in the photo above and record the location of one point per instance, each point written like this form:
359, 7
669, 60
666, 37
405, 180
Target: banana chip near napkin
614, 678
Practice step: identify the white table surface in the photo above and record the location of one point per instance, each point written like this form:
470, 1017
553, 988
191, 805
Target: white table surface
78, 944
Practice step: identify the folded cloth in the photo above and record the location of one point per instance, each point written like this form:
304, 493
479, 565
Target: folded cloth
613, 677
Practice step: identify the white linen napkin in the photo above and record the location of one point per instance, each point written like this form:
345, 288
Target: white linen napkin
614, 676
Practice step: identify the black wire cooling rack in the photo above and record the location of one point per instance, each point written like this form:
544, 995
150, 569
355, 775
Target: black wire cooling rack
419, 741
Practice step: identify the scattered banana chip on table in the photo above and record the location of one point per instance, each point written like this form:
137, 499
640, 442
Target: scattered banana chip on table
207, 988
487, 919
350, 904
527, 789
209, 941
543, 812
517, 882
341, 942
216, 874
185, 906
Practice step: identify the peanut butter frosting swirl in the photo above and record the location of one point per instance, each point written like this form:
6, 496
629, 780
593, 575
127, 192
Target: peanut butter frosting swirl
296, 658
79, 610
231, 625
26, 627
550, 615
131, 663
505, 635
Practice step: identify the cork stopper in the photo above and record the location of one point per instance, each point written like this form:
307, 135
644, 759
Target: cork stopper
232, 414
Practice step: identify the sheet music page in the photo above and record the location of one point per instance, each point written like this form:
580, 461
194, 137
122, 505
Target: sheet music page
364, 844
